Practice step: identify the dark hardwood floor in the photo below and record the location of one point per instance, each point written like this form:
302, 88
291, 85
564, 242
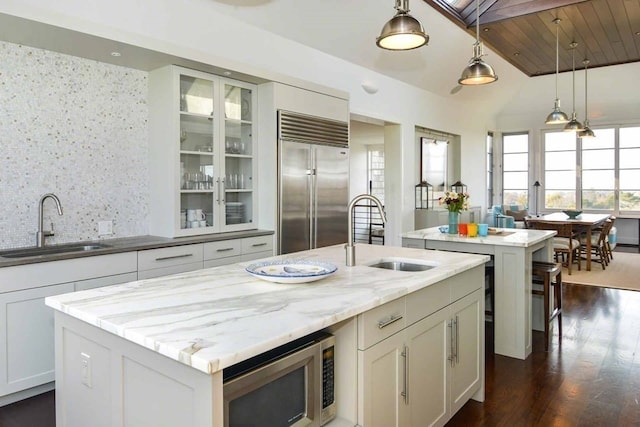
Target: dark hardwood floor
590, 378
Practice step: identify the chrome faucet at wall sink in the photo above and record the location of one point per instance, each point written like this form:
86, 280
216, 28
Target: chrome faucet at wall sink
350, 247
42, 234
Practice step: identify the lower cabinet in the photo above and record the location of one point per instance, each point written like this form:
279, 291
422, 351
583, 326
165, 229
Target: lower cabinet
27, 329
26, 338
422, 375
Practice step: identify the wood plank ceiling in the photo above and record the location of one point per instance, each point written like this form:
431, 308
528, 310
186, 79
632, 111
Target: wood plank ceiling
523, 32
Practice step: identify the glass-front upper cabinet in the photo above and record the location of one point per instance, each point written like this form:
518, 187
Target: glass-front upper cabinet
202, 148
238, 152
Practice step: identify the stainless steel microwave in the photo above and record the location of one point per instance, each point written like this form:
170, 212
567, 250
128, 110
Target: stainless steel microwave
292, 385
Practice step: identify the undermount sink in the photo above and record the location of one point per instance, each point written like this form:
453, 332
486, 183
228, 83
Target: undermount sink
398, 264
51, 250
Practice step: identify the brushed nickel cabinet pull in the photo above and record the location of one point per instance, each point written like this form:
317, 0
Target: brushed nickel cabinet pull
390, 320
173, 257
405, 392
224, 250
258, 244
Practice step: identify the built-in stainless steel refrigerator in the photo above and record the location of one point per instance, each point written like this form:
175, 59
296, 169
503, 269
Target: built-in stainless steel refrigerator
313, 181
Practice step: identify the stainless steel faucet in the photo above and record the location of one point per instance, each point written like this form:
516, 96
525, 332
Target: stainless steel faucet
350, 247
41, 234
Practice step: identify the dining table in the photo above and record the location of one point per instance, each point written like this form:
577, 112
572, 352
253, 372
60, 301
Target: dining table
585, 221
516, 312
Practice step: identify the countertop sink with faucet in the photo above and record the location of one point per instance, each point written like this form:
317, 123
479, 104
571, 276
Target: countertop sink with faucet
350, 247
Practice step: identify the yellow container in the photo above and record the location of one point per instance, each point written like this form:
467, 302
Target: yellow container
472, 229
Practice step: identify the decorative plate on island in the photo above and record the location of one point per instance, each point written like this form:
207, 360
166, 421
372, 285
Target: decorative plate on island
291, 271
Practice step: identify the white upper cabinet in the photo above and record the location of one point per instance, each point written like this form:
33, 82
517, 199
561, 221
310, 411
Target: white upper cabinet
202, 149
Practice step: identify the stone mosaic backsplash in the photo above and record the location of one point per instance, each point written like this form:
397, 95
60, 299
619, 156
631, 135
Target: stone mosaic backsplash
77, 128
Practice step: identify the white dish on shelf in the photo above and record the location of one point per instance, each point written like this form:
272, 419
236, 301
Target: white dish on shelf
291, 270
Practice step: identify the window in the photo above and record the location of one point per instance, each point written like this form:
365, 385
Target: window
601, 173
629, 169
598, 170
515, 169
433, 158
560, 170
375, 171
490, 169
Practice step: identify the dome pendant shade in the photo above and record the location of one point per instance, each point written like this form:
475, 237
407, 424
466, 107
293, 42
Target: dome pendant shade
557, 117
574, 125
477, 72
586, 132
403, 31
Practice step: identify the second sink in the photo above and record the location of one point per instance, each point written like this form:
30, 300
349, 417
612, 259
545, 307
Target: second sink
402, 265
51, 250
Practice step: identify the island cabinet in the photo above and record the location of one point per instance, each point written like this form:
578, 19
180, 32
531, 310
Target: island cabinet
420, 358
26, 330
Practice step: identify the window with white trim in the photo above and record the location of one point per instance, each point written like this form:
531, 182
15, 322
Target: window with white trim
515, 168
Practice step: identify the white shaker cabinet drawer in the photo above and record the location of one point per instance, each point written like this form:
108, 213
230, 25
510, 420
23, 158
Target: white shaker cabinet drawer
381, 322
222, 249
171, 256
257, 244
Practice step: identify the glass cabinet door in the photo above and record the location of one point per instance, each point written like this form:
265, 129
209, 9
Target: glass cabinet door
238, 154
197, 165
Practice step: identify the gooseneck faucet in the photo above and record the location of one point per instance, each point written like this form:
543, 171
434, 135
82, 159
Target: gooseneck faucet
350, 247
41, 234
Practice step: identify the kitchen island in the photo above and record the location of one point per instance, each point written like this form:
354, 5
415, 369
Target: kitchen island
512, 251
152, 352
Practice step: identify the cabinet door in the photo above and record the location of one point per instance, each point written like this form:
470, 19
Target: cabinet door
99, 282
238, 168
381, 381
26, 338
468, 313
199, 173
428, 368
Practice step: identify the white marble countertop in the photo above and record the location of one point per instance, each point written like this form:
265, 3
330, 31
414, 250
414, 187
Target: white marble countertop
509, 237
213, 318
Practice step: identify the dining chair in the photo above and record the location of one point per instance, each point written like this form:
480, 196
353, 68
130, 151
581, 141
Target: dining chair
599, 251
566, 242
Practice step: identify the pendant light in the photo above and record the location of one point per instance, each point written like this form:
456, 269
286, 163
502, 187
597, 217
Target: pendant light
574, 125
557, 117
477, 72
587, 132
403, 31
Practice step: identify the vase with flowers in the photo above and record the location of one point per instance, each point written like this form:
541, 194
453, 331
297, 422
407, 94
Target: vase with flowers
455, 203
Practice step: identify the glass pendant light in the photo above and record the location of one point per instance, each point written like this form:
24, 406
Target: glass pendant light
587, 132
574, 125
557, 117
403, 31
477, 72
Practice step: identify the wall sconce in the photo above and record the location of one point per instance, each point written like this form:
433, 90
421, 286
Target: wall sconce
424, 195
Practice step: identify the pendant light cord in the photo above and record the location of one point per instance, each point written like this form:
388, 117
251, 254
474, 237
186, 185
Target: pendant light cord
573, 56
478, 21
586, 64
557, 56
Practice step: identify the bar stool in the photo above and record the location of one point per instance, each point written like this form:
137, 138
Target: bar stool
544, 274
489, 289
